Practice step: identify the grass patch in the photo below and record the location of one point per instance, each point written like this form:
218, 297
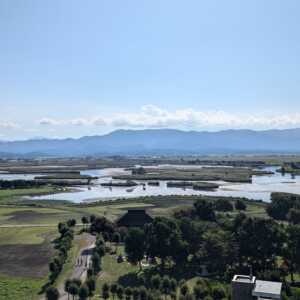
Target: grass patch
19, 288
8, 195
112, 271
25, 236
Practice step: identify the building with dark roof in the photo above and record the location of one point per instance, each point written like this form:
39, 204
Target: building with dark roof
134, 218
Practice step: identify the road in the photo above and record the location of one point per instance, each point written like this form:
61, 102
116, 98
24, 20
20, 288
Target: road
81, 264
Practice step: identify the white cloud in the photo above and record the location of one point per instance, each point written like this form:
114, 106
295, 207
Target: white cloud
151, 116
48, 121
8, 125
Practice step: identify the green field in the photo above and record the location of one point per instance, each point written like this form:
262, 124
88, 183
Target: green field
11, 195
19, 288
26, 252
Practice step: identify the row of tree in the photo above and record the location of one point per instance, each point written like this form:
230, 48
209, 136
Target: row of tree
19, 184
160, 288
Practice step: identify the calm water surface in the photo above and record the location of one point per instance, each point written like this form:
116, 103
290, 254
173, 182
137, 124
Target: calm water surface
259, 189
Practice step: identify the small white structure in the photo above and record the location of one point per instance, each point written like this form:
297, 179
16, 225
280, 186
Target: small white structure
248, 288
267, 289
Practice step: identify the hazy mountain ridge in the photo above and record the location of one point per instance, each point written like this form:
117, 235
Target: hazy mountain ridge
161, 141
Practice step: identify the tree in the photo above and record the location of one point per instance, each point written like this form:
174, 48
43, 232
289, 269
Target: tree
259, 241
128, 293
280, 205
66, 286
84, 221
96, 262
223, 205
143, 293
120, 292
166, 286
83, 292
116, 239
73, 289
184, 290
192, 233
136, 294
135, 245
71, 222
156, 281
296, 295
200, 290
91, 284
218, 293
292, 253
240, 205
216, 251
163, 239
204, 210
173, 284
52, 293
92, 218
105, 291
114, 289
294, 216
62, 228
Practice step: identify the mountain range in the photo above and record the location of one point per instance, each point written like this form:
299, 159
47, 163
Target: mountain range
160, 142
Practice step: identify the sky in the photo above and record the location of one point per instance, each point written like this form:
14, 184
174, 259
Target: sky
73, 68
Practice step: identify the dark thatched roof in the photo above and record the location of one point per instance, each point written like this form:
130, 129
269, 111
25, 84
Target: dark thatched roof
134, 218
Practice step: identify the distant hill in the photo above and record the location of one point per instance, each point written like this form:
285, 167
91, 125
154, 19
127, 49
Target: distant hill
161, 142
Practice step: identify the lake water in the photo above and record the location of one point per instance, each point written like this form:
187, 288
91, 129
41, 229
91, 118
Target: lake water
260, 188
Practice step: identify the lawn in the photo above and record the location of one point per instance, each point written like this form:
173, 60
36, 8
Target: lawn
10, 195
112, 271
25, 236
25, 254
20, 288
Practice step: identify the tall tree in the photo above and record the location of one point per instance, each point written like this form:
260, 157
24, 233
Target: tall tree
135, 245
292, 252
52, 293
204, 210
83, 292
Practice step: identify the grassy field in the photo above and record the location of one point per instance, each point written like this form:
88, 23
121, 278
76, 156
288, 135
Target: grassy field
11, 195
25, 253
19, 288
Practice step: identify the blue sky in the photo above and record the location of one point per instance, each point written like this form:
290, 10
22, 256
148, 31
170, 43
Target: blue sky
73, 68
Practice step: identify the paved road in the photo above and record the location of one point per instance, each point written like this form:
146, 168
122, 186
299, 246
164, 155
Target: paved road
81, 265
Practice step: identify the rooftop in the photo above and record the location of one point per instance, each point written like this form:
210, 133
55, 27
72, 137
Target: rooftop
244, 279
134, 218
267, 289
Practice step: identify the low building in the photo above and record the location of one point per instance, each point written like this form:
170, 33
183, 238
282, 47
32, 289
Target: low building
248, 288
134, 218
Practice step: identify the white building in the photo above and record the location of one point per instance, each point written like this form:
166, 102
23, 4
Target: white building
248, 288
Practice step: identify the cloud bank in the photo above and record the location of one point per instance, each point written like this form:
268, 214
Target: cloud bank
151, 116
8, 125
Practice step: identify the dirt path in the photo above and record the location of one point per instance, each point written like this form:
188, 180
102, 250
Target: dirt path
82, 264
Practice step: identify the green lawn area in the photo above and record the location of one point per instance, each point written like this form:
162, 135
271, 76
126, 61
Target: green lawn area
9, 195
20, 288
112, 271
25, 236
126, 274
